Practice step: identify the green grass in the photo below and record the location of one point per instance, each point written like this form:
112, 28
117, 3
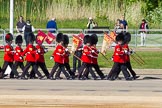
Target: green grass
69, 12
153, 60
79, 23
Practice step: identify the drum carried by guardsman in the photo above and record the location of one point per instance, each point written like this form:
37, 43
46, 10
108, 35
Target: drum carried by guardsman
8, 57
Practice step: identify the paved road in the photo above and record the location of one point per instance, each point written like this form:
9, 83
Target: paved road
146, 92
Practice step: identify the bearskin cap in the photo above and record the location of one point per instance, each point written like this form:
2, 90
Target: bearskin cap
65, 39
59, 37
18, 39
86, 39
127, 37
93, 39
120, 37
8, 37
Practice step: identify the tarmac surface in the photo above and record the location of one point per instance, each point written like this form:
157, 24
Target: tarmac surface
145, 92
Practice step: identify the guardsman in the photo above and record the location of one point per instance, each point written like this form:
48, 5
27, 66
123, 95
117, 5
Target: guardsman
95, 52
127, 39
86, 60
8, 55
58, 56
66, 59
40, 61
119, 60
18, 57
30, 52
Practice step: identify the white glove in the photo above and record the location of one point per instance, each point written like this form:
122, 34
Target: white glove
66, 49
125, 51
46, 50
20, 58
112, 58
28, 52
38, 51
93, 51
51, 58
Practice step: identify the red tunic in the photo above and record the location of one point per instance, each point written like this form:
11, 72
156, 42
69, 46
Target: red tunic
40, 54
8, 54
86, 56
30, 52
118, 54
126, 56
18, 54
94, 55
58, 54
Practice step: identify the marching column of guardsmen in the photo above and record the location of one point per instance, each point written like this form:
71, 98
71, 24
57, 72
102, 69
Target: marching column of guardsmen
34, 56
121, 58
30, 53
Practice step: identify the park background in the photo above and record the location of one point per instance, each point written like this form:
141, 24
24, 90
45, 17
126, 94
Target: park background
75, 13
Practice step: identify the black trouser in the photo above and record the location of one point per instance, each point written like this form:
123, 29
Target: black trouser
61, 67
117, 67
124, 70
97, 69
34, 67
128, 64
67, 66
15, 66
75, 60
43, 67
83, 72
113, 71
4, 67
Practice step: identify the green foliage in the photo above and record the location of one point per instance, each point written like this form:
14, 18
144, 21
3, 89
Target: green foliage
40, 11
155, 17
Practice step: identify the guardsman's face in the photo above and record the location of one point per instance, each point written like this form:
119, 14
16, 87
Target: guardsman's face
88, 44
120, 42
10, 42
